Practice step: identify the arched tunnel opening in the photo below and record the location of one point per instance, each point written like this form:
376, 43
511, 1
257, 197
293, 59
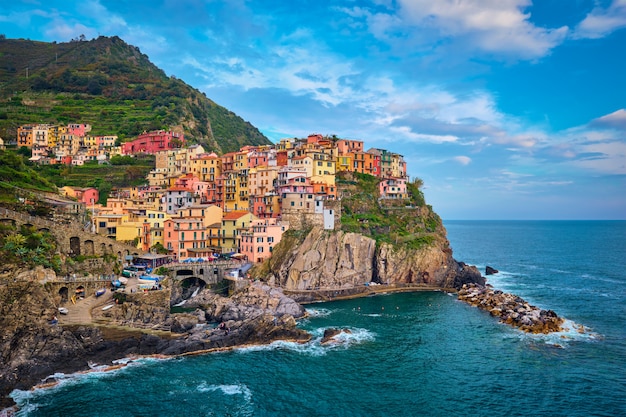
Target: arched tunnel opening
191, 286
64, 293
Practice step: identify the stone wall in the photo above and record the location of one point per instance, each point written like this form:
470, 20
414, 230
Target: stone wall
71, 237
299, 219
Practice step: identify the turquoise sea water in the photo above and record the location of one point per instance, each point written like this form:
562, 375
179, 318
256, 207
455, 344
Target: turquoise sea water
411, 354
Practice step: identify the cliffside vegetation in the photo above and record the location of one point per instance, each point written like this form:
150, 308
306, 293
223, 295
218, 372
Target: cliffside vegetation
15, 172
409, 223
28, 247
113, 87
18, 175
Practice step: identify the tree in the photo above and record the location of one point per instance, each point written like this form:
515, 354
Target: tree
25, 151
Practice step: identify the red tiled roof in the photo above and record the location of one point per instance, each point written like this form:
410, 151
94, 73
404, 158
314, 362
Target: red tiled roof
234, 215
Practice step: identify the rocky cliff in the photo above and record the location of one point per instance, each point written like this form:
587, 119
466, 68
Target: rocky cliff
337, 260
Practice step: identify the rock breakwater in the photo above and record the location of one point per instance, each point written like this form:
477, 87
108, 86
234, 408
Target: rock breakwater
511, 309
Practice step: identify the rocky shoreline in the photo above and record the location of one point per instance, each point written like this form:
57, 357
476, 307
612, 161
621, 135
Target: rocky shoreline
511, 309
32, 348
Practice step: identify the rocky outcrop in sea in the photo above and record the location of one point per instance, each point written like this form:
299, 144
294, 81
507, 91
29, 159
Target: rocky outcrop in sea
511, 309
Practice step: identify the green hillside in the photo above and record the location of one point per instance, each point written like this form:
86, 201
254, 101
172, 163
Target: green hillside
113, 87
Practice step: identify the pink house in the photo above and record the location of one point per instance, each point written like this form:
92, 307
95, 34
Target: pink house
87, 196
78, 129
393, 188
153, 142
345, 146
258, 242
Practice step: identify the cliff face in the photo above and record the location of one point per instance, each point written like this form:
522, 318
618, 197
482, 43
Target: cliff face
340, 260
327, 259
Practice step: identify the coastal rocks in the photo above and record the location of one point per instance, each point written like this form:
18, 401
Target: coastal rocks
262, 329
511, 309
31, 346
490, 271
331, 334
257, 298
140, 309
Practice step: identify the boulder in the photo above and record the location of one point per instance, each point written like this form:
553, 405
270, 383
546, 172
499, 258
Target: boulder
331, 333
490, 271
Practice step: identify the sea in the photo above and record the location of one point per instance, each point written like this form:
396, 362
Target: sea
410, 354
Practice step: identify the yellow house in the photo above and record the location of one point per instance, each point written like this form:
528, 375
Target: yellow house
152, 228
323, 168
209, 213
232, 224
345, 162
206, 167
129, 229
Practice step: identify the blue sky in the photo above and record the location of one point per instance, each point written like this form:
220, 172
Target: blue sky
507, 109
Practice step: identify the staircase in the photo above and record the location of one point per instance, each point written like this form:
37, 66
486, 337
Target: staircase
80, 313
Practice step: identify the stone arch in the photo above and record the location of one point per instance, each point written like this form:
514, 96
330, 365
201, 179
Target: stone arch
7, 222
74, 245
44, 230
193, 282
103, 249
64, 293
201, 272
89, 247
110, 249
119, 255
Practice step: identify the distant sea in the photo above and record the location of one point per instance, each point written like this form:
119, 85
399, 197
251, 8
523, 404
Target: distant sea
418, 354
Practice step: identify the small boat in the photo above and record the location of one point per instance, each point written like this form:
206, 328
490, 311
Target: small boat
100, 292
105, 308
63, 310
149, 279
123, 280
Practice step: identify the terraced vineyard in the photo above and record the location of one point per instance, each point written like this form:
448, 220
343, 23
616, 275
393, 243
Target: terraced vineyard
113, 87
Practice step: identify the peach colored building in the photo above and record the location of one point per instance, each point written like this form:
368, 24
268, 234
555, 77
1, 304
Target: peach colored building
185, 238
257, 243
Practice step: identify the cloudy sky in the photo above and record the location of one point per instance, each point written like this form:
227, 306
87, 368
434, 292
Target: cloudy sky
507, 109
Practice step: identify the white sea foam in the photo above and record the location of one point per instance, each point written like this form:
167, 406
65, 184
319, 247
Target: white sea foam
228, 389
314, 346
572, 332
231, 390
344, 339
319, 312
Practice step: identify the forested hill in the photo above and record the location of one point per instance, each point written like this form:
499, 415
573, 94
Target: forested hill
112, 86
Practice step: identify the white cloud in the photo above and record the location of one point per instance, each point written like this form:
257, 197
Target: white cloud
615, 120
65, 31
463, 160
604, 158
602, 21
495, 26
